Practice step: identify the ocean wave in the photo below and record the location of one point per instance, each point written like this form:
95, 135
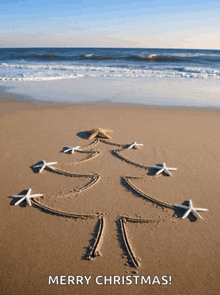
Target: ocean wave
117, 55
40, 78
88, 55
153, 57
97, 57
139, 57
37, 72
46, 56
32, 57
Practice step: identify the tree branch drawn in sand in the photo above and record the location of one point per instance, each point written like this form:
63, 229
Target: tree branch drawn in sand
91, 153
95, 243
119, 154
94, 177
127, 179
50, 210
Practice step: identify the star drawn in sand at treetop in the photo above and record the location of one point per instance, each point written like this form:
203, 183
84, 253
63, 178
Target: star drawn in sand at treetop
163, 168
99, 132
26, 197
133, 145
190, 208
44, 165
71, 149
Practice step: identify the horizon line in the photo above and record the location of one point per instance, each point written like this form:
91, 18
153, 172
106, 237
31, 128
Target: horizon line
103, 47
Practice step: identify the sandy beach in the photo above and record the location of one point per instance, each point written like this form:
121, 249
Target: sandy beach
143, 244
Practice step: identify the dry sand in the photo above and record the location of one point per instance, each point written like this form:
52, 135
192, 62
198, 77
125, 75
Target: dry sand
36, 244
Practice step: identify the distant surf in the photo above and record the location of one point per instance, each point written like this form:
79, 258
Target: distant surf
39, 64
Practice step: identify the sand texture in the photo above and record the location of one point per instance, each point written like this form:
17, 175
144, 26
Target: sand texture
103, 210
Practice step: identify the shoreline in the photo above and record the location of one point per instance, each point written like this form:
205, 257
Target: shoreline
93, 90
10, 102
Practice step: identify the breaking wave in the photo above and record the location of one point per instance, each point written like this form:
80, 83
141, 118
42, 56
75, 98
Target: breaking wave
39, 72
32, 64
153, 57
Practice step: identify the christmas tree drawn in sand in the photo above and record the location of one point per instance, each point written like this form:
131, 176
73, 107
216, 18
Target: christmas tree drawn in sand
122, 221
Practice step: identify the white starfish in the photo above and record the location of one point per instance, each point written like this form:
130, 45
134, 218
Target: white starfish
44, 165
164, 168
190, 208
134, 145
72, 149
26, 197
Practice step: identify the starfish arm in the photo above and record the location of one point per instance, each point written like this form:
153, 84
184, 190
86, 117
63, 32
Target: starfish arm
50, 167
93, 135
36, 195
16, 196
37, 166
52, 163
190, 203
28, 201
103, 134
43, 166
157, 167
182, 206
170, 168
28, 192
186, 214
130, 146
67, 150
167, 171
201, 209
77, 148
21, 200
160, 171
106, 135
197, 213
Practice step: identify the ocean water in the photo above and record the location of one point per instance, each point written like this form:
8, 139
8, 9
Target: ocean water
34, 64
58, 74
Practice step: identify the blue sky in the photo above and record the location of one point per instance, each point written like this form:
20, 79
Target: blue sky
154, 24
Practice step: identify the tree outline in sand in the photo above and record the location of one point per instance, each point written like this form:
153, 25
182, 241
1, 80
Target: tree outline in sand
94, 249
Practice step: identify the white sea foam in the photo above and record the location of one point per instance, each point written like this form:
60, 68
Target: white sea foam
88, 55
152, 55
41, 78
40, 72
